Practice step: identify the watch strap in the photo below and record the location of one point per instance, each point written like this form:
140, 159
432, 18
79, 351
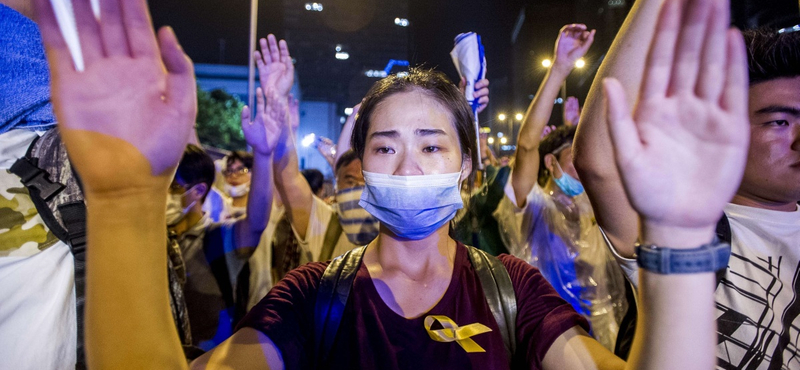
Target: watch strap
707, 258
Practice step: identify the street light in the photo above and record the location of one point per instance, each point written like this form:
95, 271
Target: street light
547, 63
503, 140
519, 117
501, 116
490, 140
580, 63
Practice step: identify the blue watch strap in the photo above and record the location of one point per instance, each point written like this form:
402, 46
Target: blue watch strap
707, 258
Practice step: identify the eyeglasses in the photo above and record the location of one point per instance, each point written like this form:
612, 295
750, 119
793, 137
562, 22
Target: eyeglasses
236, 171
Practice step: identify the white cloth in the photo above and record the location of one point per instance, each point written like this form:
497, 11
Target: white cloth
470, 61
38, 324
757, 300
311, 246
261, 260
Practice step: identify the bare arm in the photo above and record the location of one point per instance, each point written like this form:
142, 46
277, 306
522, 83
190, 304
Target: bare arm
573, 42
592, 148
125, 121
247, 349
343, 144
691, 116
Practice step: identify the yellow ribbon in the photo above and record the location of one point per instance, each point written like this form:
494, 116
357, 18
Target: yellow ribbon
451, 332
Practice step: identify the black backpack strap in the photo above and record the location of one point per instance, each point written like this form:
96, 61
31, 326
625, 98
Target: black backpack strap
499, 292
334, 289
332, 234
724, 234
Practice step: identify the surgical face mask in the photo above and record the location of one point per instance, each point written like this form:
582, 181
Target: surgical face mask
237, 190
175, 210
412, 207
359, 226
568, 184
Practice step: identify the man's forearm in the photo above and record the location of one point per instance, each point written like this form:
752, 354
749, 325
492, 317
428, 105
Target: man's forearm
127, 290
292, 186
259, 201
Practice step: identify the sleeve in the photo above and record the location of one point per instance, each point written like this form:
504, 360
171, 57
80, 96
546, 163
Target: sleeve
318, 220
628, 265
286, 314
220, 242
542, 315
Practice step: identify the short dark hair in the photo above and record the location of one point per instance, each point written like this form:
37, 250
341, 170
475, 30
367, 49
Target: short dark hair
315, 179
437, 86
552, 142
242, 156
345, 159
196, 167
772, 55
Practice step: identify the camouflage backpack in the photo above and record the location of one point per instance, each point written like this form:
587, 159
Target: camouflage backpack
56, 192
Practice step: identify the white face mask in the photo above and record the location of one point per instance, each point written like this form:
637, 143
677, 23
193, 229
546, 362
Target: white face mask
175, 210
412, 207
238, 190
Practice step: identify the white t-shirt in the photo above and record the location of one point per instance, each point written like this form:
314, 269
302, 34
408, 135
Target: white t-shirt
758, 305
311, 246
38, 324
261, 261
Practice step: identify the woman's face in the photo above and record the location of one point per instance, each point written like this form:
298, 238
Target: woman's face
411, 134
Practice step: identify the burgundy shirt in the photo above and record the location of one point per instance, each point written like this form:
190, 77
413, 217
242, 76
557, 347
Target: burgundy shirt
372, 336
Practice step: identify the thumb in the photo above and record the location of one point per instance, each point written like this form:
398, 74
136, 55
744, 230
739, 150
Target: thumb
622, 128
181, 84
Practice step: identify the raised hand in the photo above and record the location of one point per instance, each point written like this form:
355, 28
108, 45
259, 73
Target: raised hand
265, 130
547, 130
128, 116
572, 111
481, 92
573, 42
682, 153
275, 66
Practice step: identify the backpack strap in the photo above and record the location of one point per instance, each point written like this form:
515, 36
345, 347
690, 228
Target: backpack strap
332, 294
332, 235
499, 292
724, 234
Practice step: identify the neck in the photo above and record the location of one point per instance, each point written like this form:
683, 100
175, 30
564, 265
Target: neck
749, 200
240, 201
416, 259
188, 222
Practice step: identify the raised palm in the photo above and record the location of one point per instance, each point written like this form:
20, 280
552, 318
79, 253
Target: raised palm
264, 132
573, 42
136, 98
682, 153
275, 66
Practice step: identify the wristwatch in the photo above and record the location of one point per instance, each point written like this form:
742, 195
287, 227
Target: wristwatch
710, 257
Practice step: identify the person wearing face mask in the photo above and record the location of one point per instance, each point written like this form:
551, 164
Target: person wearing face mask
237, 174
560, 235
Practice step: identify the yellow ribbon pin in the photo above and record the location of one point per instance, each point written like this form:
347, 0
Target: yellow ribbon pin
451, 332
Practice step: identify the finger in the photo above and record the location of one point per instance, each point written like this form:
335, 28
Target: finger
112, 29
246, 117
688, 52
622, 128
261, 105
662, 50
261, 66
181, 85
139, 29
484, 100
274, 51
88, 31
58, 54
713, 64
286, 58
734, 96
484, 83
481, 93
264, 54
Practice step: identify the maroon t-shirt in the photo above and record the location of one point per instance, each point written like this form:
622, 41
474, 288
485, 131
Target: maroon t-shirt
372, 336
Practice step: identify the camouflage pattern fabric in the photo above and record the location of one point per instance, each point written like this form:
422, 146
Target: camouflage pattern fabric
22, 231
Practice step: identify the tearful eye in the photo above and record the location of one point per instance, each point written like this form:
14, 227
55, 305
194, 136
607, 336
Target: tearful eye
780, 122
430, 149
384, 150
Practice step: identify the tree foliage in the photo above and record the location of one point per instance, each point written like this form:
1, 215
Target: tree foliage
219, 120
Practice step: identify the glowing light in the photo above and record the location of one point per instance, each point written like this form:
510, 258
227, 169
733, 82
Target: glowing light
499, 134
580, 63
501, 116
402, 74
338, 47
518, 116
348, 111
547, 63
503, 140
341, 55
308, 140
375, 73
402, 22
314, 7
490, 140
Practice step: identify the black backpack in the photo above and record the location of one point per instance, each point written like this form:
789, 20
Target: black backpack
55, 190
627, 326
337, 280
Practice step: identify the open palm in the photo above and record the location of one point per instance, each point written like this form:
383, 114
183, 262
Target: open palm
275, 66
682, 153
573, 42
135, 99
264, 132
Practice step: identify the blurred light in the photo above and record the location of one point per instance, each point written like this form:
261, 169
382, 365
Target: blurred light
490, 140
342, 120
508, 147
374, 73
519, 117
338, 47
402, 22
308, 140
341, 55
402, 74
499, 134
503, 140
501, 116
333, 150
580, 63
314, 7
547, 63
348, 111
559, 101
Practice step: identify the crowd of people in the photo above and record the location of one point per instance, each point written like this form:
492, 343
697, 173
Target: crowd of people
656, 228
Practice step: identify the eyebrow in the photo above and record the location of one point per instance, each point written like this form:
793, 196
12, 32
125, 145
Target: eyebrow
779, 109
429, 132
389, 134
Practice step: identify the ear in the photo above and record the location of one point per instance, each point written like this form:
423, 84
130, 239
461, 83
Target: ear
466, 167
549, 163
198, 190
